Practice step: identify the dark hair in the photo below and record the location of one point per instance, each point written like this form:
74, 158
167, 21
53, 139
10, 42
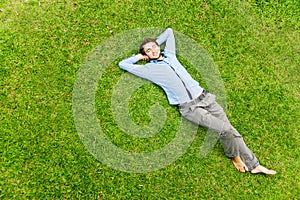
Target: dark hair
145, 41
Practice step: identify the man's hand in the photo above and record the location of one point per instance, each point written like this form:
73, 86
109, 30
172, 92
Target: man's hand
142, 57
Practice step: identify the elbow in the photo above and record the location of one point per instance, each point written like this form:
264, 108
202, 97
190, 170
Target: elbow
121, 65
170, 29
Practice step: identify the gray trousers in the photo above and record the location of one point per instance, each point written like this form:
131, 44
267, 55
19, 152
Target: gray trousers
207, 112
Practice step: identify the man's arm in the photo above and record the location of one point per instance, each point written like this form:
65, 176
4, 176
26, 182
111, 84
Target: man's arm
129, 64
167, 37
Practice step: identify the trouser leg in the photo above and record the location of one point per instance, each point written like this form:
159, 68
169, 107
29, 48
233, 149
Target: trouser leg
209, 113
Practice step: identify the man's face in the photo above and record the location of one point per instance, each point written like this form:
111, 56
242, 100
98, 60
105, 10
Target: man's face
152, 50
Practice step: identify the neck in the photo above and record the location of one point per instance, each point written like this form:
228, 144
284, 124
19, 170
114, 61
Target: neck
160, 57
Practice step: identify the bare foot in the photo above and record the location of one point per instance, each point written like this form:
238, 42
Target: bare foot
239, 164
262, 169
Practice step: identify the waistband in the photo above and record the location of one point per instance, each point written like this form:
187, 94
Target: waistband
195, 100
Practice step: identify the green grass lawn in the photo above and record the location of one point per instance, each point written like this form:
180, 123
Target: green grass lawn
43, 44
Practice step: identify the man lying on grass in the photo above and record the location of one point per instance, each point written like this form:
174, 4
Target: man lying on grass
195, 104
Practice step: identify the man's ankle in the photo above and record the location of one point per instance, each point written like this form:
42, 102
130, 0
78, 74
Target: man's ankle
237, 159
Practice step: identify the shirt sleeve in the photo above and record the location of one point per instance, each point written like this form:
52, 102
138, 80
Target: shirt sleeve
129, 64
167, 37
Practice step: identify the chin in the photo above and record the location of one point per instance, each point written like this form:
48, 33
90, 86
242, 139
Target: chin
156, 57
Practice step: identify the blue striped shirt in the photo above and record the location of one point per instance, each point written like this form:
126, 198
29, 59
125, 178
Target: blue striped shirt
168, 73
